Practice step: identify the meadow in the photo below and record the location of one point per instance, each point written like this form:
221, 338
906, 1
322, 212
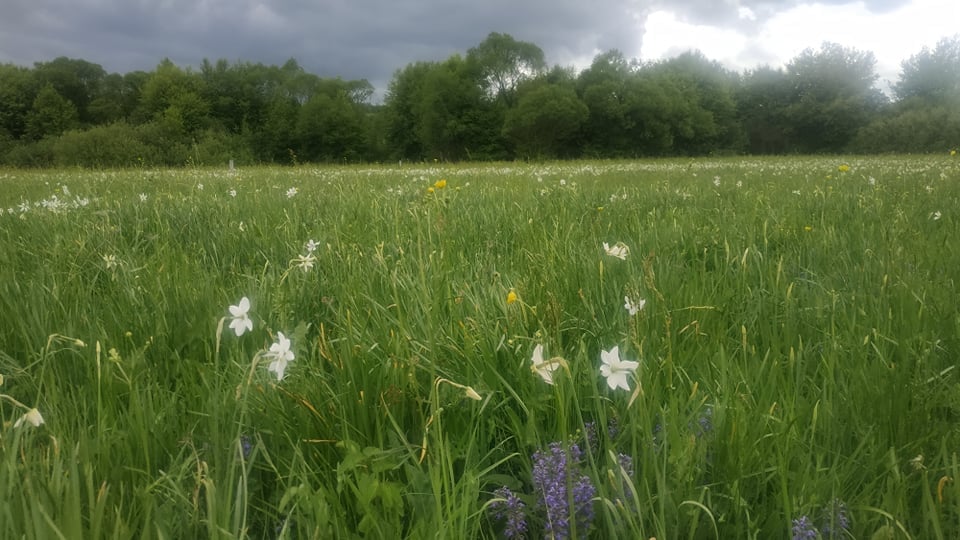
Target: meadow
697, 348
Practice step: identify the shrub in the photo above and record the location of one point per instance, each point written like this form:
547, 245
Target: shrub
219, 147
32, 154
166, 144
114, 145
933, 129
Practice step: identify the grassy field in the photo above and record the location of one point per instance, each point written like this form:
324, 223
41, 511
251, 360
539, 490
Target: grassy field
428, 348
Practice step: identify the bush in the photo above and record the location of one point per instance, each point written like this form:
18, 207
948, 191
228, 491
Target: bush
917, 130
166, 144
31, 154
114, 145
219, 147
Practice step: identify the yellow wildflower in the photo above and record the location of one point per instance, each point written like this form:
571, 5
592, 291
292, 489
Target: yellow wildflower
511, 297
430, 190
843, 167
440, 184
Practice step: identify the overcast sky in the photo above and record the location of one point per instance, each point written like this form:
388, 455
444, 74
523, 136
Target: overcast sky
371, 39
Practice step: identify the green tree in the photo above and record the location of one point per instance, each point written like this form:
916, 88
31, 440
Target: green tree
233, 94
78, 81
659, 111
926, 116
50, 115
638, 111
329, 129
453, 120
762, 100
375, 134
603, 88
402, 111
708, 89
834, 96
295, 83
356, 92
129, 94
503, 63
17, 92
931, 77
174, 97
275, 139
284, 90
546, 121
108, 106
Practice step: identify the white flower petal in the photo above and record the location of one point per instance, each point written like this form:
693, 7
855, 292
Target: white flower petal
616, 370
241, 325
240, 309
537, 357
278, 366
620, 250
281, 354
618, 380
32, 417
612, 356
543, 368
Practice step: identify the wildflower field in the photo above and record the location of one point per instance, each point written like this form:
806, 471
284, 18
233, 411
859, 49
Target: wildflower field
707, 348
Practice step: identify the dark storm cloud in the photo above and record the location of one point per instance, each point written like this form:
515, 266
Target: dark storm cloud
351, 39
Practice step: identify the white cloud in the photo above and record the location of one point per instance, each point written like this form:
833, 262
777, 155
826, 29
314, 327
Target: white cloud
667, 36
892, 35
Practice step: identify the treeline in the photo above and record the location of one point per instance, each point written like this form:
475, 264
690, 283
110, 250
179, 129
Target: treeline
499, 101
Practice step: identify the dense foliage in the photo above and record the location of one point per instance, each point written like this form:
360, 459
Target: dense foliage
500, 101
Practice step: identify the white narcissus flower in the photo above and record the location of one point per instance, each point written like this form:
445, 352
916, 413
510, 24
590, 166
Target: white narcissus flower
281, 354
110, 261
305, 262
616, 370
543, 368
31, 417
620, 250
633, 307
241, 321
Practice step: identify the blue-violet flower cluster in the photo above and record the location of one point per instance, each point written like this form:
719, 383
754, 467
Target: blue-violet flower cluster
554, 470
511, 510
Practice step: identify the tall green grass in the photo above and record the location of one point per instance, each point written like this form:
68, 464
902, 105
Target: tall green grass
797, 348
